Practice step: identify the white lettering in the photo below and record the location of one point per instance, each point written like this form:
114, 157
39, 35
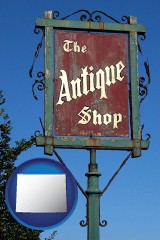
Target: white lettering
76, 88
100, 83
71, 46
91, 77
89, 81
76, 47
97, 118
107, 118
120, 66
66, 46
86, 115
84, 49
84, 79
117, 119
64, 92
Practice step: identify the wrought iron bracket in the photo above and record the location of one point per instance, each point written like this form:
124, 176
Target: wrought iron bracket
148, 136
40, 81
83, 223
143, 85
36, 31
94, 16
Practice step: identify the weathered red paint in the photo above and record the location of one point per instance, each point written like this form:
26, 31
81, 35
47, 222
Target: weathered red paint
102, 50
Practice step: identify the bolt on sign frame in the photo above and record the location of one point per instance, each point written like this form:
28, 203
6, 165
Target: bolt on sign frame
59, 31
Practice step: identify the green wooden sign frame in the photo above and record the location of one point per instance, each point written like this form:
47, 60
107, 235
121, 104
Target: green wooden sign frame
135, 143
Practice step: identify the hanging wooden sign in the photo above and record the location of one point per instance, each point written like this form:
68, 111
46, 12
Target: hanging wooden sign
91, 85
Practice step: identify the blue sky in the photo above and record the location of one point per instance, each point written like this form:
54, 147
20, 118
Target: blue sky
132, 203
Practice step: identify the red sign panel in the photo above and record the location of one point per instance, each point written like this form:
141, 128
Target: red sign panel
90, 84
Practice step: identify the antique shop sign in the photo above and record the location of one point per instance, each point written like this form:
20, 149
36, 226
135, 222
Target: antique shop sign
91, 84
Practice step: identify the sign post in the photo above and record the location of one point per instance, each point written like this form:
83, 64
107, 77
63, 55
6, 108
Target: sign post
93, 192
92, 93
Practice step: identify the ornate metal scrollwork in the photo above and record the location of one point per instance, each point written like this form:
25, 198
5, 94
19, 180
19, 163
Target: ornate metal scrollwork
125, 19
83, 223
36, 31
94, 16
148, 136
142, 37
37, 132
143, 87
103, 223
143, 91
40, 84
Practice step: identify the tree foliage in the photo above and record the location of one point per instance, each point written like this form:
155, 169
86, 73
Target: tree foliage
10, 229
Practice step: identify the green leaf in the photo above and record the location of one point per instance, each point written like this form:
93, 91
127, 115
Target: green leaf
1, 111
